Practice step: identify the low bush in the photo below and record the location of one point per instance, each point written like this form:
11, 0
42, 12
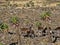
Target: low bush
3, 26
14, 20
45, 15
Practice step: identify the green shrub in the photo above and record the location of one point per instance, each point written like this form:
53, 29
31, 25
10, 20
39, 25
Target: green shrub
37, 23
3, 26
14, 20
1, 44
44, 15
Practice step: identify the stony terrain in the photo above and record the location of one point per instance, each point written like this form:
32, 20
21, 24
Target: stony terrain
30, 23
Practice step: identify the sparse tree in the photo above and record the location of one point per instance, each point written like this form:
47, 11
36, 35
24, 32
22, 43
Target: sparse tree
14, 20
3, 26
45, 15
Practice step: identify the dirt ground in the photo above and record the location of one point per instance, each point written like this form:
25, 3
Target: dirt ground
15, 35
